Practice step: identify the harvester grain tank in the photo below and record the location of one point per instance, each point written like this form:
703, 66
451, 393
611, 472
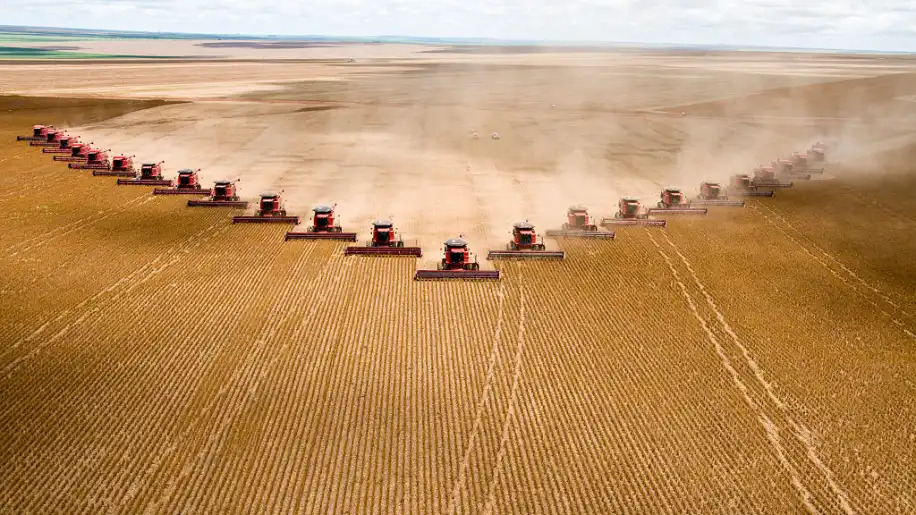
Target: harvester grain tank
673, 202
223, 194
323, 227
579, 225
150, 175
525, 244
65, 144
741, 185
713, 194
79, 153
95, 160
270, 210
456, 263
39, 133
631, 212
384, 242
766, 176
187, 183
121, 166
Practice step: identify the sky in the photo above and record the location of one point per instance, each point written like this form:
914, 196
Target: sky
842, 24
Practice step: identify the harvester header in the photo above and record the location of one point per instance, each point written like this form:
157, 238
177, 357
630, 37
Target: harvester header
456, 263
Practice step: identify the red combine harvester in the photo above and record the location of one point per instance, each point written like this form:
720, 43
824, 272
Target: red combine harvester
766, 176
712, 194
322, 228
525, 244
95, 160
631, 212
187, 184
121, 166
383, 243
742, 185
579, 225
52, 139
802, 162
65, 144
817, 154
79, 152
270, 210
150, 175
673, 202
784, 168
39, 133
457, 264
223, 194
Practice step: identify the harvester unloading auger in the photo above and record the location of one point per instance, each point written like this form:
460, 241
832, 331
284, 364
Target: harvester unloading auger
188, 183
579, 225
673, 202
742, 185
270, 210
39, 133
65, 145
766, 176
79, 153
121, 166
150, 175
456, 263
525, 244
323, 227
712, 194
52, 139
223, 194
95, 160
631, 212
383, 243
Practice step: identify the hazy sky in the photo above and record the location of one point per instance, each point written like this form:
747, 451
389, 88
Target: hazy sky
870, 24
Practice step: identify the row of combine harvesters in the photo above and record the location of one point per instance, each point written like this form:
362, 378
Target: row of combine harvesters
457, 261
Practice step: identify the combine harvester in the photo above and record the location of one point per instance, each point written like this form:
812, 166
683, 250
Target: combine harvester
270, 210
95, 160
579, 225
673, 202
817, 154
742, 185
79, 153
52, 140
65, 145
150, 175
383, 243
784, 168
223, 194
712, 194
121, 166
525, 245
631, 212
187, 184
456, 264
322, 227
39, 133
766, 176
802, 162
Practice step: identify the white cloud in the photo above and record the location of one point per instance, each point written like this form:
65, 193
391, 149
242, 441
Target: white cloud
878, 24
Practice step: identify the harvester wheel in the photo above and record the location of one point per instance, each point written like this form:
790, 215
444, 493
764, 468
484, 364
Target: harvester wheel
440, 265
399, 244
565, 227
282, 212
540, 246
661, 205
474, 266
617, 215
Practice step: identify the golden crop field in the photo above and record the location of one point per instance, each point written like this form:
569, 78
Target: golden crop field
158, 358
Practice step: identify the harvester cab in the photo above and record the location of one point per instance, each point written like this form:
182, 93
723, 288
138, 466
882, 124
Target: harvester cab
577, 219
79, 150
223, 194
818, 153
631, 212
712, 194
783, 167
95, 160
150, 175
223, 190
456, 263
384, 242
323, 227
525, 244
672, 197
187, 179
741, 185
122, 164
270, 210
151, 171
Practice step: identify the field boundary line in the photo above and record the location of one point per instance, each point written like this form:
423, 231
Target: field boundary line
771, 430
510, 411
798, 429
481, 402
844, 280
